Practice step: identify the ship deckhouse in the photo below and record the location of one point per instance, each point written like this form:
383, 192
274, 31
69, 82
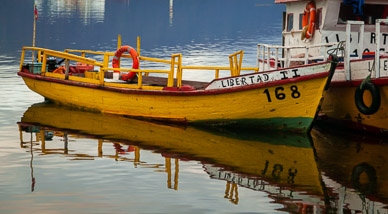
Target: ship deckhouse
330, 22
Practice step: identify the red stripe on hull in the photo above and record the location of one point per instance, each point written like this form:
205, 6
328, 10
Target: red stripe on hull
354, 83
348, 125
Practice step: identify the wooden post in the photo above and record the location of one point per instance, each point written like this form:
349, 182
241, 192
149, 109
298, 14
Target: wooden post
168, 170
33, 36
119, 46
263, 62
66, 144
240, 62
176, 174
231, 66
43, 146
377, 52
100, 142
67, 65
276, 58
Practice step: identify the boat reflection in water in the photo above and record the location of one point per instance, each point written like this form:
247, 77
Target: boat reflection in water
354, 170
283, 166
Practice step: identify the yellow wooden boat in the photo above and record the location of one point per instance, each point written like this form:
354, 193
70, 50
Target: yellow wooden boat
278, 163
285, 99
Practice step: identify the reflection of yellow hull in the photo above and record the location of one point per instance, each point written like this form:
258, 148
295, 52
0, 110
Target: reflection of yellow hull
339, 104
353, 163
294, 109
270, 158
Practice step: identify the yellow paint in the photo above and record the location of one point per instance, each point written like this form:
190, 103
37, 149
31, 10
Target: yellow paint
118, 41
235, 64
245, 156
339, 104
91, 75
122, 85
55, 75
85, 80
248, 104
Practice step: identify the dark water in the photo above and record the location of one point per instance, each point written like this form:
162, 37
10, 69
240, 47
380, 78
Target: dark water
93, 163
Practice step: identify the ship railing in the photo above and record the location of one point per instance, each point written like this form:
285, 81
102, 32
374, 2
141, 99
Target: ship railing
103, 66
235, 62
175, 64
272, 57
348, 42
235, 68
378, 44
44, 53
360, 48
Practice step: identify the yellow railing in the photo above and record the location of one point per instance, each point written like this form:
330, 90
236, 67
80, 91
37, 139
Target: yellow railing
175, 63
235, 64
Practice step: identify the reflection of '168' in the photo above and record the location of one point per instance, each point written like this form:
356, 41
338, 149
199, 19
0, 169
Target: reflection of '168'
280, 93
277, 170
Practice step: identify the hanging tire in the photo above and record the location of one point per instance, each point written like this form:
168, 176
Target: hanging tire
372, 178
376, 99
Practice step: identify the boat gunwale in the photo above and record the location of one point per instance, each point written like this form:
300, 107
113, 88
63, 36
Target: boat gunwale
175, 91
382, 81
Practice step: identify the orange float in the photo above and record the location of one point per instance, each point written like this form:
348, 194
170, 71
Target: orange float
116, 58
309, 20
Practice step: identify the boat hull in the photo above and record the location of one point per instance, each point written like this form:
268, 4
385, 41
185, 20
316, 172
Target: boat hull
246, 107
339, 107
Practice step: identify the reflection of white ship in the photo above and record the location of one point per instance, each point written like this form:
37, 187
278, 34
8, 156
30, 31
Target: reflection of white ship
89, 10
171, 11
354, 171
350, 199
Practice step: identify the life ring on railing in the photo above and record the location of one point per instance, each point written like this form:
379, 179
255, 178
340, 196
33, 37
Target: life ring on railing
308, 26
359, 99
119, 52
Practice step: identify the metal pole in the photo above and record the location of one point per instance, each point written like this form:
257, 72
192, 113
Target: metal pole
33, 36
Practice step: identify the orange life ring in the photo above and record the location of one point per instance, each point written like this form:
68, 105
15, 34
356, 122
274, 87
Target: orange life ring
119, 52
309, 13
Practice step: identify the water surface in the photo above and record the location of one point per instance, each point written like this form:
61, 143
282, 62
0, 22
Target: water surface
95, 163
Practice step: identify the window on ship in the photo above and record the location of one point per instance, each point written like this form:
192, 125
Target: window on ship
290, 21
371, 12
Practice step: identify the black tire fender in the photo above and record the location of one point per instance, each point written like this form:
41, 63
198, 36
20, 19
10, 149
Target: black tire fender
376, 99
372, 178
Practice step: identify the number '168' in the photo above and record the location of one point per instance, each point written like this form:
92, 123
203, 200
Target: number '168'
280, 94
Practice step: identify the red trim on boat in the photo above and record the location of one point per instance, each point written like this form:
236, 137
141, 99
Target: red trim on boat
324, 120
355, 83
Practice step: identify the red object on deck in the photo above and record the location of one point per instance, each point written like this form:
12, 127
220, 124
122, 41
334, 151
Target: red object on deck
81, 67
